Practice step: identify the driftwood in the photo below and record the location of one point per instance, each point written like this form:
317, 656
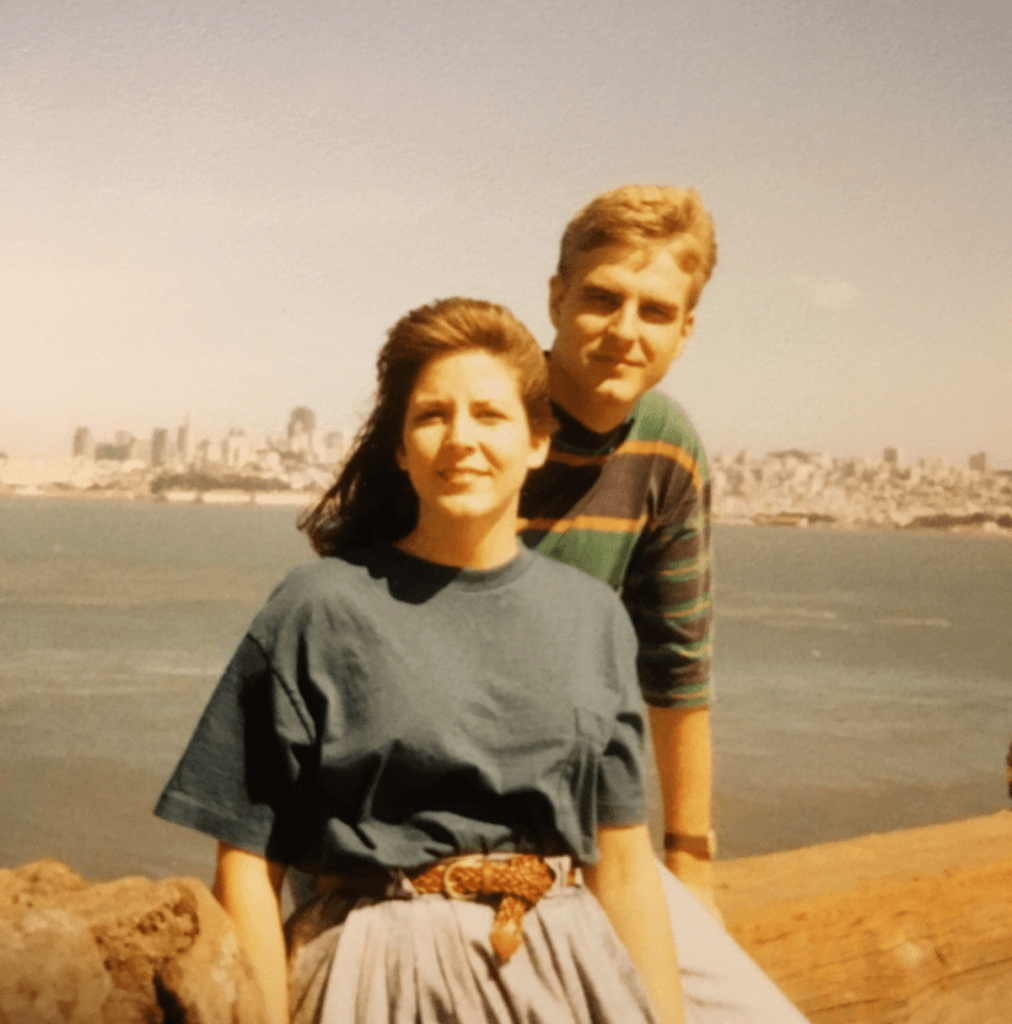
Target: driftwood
911, 927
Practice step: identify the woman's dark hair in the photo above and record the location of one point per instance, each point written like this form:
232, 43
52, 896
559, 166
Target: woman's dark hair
372, 499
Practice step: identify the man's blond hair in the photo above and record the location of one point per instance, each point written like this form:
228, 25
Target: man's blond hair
648, 216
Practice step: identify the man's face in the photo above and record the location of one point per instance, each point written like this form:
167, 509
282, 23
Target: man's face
620, 321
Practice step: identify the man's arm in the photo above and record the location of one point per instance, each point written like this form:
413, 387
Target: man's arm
683, 750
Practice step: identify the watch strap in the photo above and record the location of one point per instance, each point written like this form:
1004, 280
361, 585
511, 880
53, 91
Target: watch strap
704, 847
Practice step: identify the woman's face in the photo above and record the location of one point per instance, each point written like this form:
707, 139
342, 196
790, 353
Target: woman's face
466, 444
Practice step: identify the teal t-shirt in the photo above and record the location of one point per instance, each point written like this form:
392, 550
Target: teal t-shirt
386, 710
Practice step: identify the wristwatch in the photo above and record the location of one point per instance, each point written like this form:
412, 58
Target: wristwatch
703, 847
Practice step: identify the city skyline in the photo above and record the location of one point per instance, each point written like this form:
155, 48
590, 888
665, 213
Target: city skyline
222, 210
335, 439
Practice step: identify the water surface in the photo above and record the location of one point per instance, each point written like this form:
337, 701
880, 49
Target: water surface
863, 679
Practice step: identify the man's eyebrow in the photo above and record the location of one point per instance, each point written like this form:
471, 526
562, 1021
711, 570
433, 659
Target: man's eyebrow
661, 304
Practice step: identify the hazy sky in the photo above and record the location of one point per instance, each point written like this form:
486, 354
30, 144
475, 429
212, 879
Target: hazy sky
217, 209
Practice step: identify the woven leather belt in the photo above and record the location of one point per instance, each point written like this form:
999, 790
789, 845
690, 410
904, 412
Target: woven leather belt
517, 883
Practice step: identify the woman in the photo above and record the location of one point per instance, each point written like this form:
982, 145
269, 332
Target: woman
441, 725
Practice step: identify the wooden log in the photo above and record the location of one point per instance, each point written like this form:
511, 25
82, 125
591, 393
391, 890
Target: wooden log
910, 927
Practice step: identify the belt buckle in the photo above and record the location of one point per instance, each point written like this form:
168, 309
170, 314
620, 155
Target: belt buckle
451, 890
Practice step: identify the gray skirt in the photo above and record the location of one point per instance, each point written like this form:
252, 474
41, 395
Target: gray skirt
411, 959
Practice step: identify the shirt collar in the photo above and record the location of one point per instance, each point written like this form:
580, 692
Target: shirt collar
572, 435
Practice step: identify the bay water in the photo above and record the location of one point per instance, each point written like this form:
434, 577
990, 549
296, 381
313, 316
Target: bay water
863, 679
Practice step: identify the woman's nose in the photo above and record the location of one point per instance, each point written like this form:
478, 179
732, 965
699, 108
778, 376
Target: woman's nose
461, 431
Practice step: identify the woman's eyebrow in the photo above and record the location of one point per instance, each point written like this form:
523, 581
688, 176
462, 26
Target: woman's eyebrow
599, 289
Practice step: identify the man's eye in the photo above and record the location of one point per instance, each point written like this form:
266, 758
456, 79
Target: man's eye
657, 314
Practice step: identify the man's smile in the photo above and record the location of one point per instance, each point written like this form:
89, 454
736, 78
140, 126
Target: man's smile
602, 357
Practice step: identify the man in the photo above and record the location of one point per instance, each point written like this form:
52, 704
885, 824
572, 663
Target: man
625, 496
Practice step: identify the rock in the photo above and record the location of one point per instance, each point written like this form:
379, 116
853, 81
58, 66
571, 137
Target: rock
50, 969
213, 980
131, 951
912, 927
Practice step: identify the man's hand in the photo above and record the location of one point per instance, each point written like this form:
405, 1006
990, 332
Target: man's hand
697, 876
682, 748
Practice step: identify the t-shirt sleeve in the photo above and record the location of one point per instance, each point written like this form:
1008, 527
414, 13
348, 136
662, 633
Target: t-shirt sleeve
620, 791
243, 775
667, 595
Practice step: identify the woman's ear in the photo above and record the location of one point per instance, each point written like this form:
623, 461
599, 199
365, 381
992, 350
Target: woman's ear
401, 457
539, 451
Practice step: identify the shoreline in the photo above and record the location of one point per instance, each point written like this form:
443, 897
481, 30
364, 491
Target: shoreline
293, 499
305, 499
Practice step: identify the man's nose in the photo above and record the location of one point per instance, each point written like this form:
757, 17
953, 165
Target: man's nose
623, 323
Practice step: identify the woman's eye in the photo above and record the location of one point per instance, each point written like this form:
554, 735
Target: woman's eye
600, 301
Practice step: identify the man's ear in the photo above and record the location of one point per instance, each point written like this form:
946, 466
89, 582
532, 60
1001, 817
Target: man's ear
688, 322
539, 451
556, 293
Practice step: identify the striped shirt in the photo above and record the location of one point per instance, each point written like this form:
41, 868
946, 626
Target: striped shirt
632, 507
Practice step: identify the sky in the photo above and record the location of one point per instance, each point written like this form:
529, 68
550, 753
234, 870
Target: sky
217, 210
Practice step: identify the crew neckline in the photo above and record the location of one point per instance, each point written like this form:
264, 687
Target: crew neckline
461, 578
572, 434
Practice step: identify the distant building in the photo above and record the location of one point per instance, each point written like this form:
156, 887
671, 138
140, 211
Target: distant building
159, 446
84, 443
333, 447
236, 448
105, 450
124, 447
298, 444
141, 450
184, 446
792, 453
301, 421
978, 462
209, 453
